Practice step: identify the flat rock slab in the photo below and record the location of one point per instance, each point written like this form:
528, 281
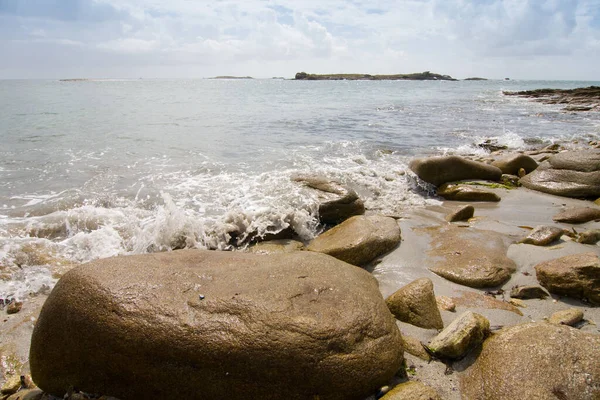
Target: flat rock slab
569, 174
543, 235
458, 192
470, 257
439, 170
216, 325
415, 304
359, 240
578, 215
576, 276
535, 361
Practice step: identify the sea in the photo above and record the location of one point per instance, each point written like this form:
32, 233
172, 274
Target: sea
99, 168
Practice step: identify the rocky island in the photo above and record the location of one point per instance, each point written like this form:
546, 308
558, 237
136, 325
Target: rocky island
579, 99
421, 76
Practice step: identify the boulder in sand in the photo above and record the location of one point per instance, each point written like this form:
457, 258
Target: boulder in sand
216, 325
512, 163
535, 361
543, 235
415, 304
576, 276
439, 170
569, 174
359, 239
337, 202
571, 317
461, 214
579, 215
528, 292
462, 335
412, 390
457, 192
589, 237
471, 257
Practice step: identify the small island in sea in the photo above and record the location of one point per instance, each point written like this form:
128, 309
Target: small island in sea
475, 78
231, 77
419, 76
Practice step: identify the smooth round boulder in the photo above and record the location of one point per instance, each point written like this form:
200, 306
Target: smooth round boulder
576, 276
535, 361
415, 304
200, 324
359, 240
512, 163
461, 214
439, 170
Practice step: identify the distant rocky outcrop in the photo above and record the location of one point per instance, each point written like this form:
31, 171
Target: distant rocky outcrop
231, 77
421, 76
579, 99
475, 78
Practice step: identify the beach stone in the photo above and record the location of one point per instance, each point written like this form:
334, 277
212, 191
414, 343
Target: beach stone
521, 173
511, 164
415, 304
14, 307
412, 390
414, 347
518, 303
535, 361
576, 276
439, 170
337, 202
471, 257
589, 237
359, 240
29, 394
461, 214
511, 180
11, 385
276, 246
569, 317
457, 192
569, 174
221, 324
543, 235
528, 292
578, 215
462, 335
445, 303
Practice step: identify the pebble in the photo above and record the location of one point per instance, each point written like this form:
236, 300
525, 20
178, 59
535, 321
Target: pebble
14, 307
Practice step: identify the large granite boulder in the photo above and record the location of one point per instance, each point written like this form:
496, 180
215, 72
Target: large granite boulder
359, 240
569, 174
576, 276
415, 304
197, 324
535, 361
336, 201
512, 163
471, 257
438, 170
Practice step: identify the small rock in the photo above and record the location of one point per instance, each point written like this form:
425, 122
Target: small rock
518, 303
463, 334
415, 347
29, 394
445, 303
569, 317
513, 163
459, 192
589, 237
412, 390
543, 235
528, 292
14, 307
510, 180
415, 304
27, 382
578, 215
438, 170
12, 385
462, 214
521, 173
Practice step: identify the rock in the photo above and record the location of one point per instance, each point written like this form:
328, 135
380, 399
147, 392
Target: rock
221, 324
415, 347
472, 300
462, 335
412, 390
11, 385
518, 303
535, 361
511, 180
465, 193
276, 246
445, 303
569, 174
471, 257
461, 214
576, 276
439, 170
578, 215
29, 394
415, 304
359, 239
337, 202
589, 237
570, 317
14, 307
528, 292
512, 163
543, 235
521, 173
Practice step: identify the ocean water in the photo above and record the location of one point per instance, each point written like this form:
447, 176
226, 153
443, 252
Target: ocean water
92, 169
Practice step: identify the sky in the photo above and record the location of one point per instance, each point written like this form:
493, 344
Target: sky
520, 39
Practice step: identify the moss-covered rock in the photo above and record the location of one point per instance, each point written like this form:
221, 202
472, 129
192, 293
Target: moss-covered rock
462, 335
